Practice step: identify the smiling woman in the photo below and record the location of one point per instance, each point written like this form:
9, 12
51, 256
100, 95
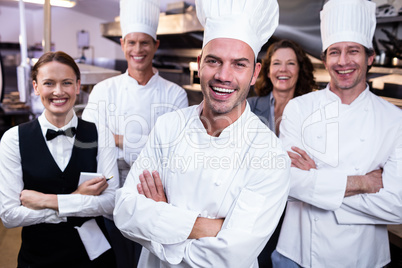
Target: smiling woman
57, 81
41, 162
286, 73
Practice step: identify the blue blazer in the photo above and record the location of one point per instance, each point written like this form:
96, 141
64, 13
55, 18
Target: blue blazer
261, 106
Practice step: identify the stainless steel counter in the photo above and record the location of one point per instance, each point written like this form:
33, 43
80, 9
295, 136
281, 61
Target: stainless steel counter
91, 75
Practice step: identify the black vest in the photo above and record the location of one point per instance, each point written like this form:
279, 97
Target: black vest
55, 245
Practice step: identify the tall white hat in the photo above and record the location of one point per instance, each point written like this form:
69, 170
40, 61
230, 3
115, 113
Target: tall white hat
251, 21
348, 21
139, 16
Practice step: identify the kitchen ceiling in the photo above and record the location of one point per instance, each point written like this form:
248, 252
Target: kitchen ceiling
103, 9
299, 19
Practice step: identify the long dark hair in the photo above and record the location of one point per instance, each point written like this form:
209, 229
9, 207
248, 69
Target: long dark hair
58, 56
305, 82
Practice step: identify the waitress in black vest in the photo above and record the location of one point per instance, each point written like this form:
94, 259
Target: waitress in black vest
40, 166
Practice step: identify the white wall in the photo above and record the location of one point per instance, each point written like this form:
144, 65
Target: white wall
10, 25
65, 24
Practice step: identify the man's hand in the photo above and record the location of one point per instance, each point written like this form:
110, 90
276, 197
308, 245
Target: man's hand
118, 140
37, 200
93, 186
151, 186
365, 184
301, 160
204, 227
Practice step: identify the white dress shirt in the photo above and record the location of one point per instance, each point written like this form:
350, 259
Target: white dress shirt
322, 228
130, 109
242, 176
13, 214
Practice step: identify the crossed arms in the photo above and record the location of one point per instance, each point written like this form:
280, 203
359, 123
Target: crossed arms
37, 200
358, 184
151, 187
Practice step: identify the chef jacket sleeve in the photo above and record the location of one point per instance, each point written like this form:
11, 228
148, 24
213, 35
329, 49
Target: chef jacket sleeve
88, 205
152, 224
181, 100
323, 187
164, 229
12, 213
95, 110
385, 206
249, 224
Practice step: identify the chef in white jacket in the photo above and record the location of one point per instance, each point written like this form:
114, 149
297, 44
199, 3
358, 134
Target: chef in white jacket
216, 178
346, 175
130, 103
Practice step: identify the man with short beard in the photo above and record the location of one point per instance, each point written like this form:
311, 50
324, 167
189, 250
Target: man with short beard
219, 207
345, 144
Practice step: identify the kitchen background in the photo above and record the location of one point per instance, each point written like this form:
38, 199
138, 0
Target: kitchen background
90, 33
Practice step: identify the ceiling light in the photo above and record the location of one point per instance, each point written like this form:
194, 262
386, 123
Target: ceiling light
57, 3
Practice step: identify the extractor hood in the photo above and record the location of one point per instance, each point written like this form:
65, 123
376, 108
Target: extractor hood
179, 34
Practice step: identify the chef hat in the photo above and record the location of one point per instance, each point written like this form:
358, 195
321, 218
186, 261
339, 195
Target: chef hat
348, 21
139, 16
252, 22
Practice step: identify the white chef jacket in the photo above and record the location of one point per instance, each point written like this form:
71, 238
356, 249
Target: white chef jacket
321, 227
130, 109
13, 214
242, 176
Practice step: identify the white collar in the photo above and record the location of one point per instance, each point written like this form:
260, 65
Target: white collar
235, 126
362, 96
45, 124
131, 80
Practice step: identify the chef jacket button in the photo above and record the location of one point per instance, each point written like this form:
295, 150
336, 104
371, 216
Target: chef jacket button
218, 183
362, 139
319, 137
357, 168
315, 219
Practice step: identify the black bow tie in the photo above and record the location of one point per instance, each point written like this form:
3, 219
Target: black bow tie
51, 134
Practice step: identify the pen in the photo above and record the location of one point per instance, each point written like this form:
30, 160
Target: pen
111, 177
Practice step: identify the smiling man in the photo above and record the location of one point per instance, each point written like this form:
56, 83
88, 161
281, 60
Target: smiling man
216, 178
345, 144
225, 77
129, 104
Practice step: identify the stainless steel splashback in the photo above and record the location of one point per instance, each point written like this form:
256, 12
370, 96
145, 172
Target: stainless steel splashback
173, 24
182, 33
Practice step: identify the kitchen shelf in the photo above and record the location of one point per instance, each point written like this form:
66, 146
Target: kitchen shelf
385, 70
91, 75
389, 19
